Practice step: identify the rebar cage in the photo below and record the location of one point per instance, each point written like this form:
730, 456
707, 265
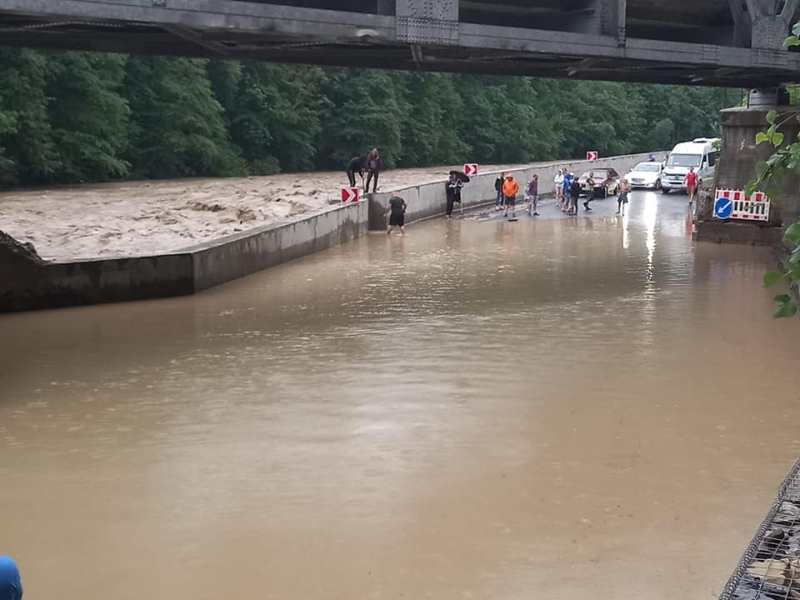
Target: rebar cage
770, 566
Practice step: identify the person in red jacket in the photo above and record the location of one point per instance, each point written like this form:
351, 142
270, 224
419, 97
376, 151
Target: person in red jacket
691, 184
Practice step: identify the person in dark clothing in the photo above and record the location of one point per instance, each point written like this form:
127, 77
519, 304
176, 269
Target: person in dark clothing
453, 192
397, 214
498, 187
357, 164
374, 168
575, 192
590, 183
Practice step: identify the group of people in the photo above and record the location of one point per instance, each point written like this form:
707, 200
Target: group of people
371, 164
507, 190
567, 190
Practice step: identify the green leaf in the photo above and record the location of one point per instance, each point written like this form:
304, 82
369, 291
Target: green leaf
792, 234
750, 187
782, 298
771, 117
791, 42
777, 139
761, 137
772, 278
785, 311
796, 28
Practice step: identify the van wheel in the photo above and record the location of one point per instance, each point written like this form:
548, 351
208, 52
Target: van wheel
658, 184
665, 191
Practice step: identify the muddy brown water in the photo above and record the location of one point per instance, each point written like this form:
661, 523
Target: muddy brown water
590, 408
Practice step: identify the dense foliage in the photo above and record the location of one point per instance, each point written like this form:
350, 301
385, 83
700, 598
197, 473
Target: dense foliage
785, 159
74, 117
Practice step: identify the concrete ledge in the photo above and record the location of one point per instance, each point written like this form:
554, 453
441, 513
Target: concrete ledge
429, 200
732, 232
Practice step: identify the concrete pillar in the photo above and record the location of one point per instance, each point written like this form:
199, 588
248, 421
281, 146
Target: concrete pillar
602, 17
771, 21
738, 165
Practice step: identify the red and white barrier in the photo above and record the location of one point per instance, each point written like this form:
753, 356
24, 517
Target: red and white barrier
747, 208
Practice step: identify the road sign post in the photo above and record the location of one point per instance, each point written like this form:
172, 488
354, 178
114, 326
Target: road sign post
592, 155
723, 206
471, 169
351, 194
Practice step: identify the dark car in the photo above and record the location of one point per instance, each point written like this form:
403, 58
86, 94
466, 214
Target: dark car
606, 183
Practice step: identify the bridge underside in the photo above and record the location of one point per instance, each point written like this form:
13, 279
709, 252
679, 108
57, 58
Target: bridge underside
734, 43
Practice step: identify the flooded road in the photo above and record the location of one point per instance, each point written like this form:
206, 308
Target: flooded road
566, 408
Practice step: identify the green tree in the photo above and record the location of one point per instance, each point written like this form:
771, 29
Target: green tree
27, 153
276, 118
177, 125
89, 116
432, 134
362, 109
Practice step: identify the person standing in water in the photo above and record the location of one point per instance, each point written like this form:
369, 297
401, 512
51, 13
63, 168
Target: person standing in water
397, 214
532, 192
498, 187
510, 191
453, 192
558, 186
590, 183
566, 190
622, 198
575, 192
10, 582
691, 184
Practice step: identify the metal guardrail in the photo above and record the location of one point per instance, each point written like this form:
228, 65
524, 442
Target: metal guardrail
770, 566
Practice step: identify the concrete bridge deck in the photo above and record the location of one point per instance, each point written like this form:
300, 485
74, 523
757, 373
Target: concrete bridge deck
733, 43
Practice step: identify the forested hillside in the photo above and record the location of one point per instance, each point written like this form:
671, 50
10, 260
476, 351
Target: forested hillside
79, 117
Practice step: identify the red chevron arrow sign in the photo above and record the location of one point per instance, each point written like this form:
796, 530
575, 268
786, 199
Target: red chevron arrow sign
351, 194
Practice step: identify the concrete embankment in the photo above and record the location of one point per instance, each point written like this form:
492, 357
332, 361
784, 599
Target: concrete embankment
27, 282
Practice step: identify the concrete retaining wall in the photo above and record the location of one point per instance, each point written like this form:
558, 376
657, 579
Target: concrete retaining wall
429, 200
28, 283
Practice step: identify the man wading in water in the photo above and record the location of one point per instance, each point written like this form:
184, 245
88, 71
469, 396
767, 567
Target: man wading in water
622, 199
510, 191
397, 214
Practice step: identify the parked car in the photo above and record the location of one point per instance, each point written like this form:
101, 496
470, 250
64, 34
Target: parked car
646, 175
606, 183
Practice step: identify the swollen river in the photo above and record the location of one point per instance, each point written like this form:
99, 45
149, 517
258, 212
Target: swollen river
564, 408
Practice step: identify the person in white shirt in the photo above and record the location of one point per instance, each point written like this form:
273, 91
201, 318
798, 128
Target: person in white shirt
558, 186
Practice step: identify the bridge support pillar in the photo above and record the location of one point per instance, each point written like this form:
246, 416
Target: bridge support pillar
738, 165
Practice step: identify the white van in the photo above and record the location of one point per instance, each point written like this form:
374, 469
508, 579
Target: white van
702, 154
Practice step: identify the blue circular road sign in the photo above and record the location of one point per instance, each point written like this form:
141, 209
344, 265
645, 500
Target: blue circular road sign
723, 207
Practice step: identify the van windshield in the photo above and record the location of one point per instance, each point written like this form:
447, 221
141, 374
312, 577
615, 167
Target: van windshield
685, 160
